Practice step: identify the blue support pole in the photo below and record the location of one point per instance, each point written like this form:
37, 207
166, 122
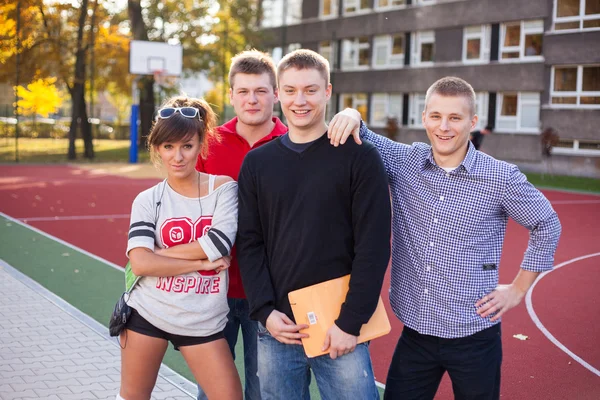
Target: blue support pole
133, 135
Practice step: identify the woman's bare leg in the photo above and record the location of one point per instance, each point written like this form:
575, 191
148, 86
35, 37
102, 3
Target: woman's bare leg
140, 362
214, 370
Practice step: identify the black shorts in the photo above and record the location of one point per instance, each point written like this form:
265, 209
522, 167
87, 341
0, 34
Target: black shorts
139, 324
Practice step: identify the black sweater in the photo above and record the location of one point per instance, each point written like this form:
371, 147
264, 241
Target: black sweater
305, 218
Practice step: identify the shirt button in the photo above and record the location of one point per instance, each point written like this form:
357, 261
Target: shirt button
428, 268
431, 244
435, 220
447, 175
442, 198
425, 291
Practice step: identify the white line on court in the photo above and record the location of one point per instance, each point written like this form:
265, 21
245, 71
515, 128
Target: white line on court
87, 253
74, 217
575, 202
542, 328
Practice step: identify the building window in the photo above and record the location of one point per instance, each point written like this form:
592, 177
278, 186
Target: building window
518, 112
476, 44
386, 4
276, 54
328, 49
356, 53
388, 51
328, 8
358, 101
273, 11
521, 40
575, 86
423, 45
415, 109
293, 46
384, 106
577, 147
355, 6
481, 109
576, 14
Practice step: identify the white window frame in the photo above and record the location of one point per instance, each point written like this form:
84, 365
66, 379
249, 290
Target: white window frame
356, 102
390, 6
356, 5
415, 111
425, 2
272, 13
356, 47
418, 39
385, 43
294, 12
578, 93
385, 100
581, 18
293, 46
482, 101
575, 150
516, 118
485, 37
526, 28
329, 52
335, 5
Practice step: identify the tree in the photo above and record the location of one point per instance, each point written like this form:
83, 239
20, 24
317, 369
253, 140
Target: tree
40, 97
209, 39
55, 42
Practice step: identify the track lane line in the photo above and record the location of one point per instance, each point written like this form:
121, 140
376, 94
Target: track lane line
541, 327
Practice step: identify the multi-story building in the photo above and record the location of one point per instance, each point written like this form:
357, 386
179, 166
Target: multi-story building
534, 65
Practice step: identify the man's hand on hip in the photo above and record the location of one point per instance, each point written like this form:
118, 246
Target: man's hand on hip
284, 329
502, 299
339, 342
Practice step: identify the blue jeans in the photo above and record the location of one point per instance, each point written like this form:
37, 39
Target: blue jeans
284, 372
472, 362
237, 317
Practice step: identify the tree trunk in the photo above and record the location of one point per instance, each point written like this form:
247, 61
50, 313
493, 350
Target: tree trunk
79, 117
146, 87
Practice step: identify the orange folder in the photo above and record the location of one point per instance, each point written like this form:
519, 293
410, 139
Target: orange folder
319, 306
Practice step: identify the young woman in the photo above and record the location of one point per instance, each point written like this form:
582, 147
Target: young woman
180, 237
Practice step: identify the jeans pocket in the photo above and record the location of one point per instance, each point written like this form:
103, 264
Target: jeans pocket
262, 331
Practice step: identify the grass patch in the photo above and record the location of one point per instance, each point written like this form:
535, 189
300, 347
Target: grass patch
574, 183
55, 150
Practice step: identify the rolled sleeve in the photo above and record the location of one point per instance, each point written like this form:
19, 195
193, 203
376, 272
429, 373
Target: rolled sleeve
532, 210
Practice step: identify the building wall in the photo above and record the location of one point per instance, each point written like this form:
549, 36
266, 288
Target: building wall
447, 19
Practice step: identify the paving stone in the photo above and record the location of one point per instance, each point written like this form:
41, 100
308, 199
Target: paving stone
53, 355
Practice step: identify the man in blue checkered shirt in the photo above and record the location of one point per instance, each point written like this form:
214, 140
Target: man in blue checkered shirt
451, 204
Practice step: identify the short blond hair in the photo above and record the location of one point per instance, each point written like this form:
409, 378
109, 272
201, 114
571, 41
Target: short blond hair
304, 59
451, 86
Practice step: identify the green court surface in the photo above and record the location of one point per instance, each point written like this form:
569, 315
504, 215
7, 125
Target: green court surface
86, 282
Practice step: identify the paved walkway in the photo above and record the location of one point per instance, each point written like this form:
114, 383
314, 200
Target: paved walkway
50, 350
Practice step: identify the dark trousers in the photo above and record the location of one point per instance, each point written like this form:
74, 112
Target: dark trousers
419, 362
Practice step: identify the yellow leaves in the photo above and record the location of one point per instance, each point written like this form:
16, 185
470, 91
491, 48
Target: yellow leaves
41, 97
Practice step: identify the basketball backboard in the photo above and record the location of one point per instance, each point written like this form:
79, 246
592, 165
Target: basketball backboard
145, 58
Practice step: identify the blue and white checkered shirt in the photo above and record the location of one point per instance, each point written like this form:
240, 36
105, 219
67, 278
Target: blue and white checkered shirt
448, 229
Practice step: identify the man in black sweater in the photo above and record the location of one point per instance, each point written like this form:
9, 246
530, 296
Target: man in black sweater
308, 213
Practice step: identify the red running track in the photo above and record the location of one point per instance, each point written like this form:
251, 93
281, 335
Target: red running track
565, 300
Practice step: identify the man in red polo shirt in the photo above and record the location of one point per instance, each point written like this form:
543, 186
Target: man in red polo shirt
252, 93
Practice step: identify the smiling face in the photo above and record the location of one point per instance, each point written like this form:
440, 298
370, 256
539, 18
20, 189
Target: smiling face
448, 122
304, 94
179, 158
252, 97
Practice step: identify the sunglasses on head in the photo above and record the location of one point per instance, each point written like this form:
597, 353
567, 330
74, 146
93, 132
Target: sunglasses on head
188, 112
